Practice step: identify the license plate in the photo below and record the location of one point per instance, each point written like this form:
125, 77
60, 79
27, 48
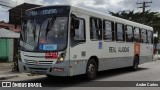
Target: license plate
38, 72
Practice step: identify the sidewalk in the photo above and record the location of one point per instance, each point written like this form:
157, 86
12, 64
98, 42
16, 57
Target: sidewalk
6, 71
4, 67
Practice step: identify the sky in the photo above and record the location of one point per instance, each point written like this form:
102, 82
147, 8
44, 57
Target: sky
102, 6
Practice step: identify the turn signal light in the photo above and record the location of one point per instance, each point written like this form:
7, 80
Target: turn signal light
58, 69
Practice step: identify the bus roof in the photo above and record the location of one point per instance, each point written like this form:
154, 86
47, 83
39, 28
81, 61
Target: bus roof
101, 15
109, 17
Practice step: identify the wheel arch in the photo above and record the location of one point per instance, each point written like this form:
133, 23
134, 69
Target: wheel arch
96, 60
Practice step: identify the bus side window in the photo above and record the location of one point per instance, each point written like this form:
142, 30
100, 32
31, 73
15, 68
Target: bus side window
120, 32
144, 36
137, 35
150, 37
129, 33
78, 29
95, 29
108, 30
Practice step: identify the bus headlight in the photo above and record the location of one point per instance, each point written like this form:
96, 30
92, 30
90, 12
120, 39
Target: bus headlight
61, 58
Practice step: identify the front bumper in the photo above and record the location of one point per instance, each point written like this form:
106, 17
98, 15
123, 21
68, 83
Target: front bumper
46, 69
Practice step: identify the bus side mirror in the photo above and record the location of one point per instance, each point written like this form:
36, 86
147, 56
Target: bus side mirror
76, 24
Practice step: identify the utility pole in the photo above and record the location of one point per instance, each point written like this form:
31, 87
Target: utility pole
144, 6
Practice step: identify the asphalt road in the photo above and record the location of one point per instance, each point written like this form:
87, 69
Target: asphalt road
147, 72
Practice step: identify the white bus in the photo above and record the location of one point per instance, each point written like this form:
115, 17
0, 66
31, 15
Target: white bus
66, 41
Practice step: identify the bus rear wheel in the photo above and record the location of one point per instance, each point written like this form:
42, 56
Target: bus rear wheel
135, 63
91, 69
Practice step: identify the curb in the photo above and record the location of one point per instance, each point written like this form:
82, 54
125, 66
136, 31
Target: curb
4, 77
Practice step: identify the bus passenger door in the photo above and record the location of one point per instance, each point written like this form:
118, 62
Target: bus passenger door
77, 44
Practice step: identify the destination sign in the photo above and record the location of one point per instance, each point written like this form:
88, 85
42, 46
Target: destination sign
52, 10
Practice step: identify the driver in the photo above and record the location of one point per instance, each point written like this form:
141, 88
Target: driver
52, 35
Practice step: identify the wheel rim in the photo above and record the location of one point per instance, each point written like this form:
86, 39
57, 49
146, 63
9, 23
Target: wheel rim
91, 70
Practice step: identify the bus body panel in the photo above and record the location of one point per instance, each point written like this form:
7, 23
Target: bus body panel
146, 54
110, 60
115, 57
77, 59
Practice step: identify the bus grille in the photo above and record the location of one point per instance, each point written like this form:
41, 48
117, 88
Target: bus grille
35, 62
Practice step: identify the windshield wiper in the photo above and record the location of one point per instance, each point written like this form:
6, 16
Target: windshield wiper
50, 24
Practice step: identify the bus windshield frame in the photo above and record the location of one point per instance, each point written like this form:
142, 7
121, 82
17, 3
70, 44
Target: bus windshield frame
44, 30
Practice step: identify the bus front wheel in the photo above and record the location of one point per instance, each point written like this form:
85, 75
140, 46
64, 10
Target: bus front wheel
91, 69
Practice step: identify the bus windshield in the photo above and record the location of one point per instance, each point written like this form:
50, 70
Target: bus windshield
44, 34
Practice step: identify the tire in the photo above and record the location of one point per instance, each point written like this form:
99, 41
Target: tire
91, 69
135, 63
